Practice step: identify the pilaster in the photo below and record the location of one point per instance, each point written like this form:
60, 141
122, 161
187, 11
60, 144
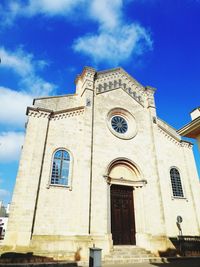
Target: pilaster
24, 198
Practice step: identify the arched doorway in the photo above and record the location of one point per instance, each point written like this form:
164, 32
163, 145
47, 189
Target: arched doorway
123, 176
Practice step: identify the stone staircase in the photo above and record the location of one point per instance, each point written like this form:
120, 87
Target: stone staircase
129, 254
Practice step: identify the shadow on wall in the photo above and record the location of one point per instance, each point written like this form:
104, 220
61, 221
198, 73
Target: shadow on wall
29, 257
177, 262
183, 246
186, 245
186, 253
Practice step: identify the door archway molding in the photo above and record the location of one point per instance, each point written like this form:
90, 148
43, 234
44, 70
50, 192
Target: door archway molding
122, 162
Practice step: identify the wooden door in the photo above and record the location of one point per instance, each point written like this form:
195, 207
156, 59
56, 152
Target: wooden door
122, 215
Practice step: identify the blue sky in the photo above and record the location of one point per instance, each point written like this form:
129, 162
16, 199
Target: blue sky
44, 44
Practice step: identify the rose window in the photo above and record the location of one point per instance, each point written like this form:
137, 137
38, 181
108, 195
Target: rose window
119, 124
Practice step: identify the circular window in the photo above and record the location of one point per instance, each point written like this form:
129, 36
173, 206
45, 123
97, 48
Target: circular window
121, 123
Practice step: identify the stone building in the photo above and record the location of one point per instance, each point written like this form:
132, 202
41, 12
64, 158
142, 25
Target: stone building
99, 167
4, 213
192, 129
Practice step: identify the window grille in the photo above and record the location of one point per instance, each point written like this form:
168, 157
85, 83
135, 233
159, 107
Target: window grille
176, 183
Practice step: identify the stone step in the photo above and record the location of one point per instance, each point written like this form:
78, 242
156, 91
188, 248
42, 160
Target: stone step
128, 254
126, 257
132, 260
123, 247
129, 248
134, 250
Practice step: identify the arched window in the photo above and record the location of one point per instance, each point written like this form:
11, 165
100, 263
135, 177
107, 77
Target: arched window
60, 168
176, 183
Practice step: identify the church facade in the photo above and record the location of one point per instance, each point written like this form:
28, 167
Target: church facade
100, 168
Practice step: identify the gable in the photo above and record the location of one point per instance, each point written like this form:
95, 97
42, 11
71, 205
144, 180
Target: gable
119, 79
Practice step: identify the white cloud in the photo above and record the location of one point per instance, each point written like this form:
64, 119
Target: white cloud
13, 103
17, 61
13, 106
37, 86
10, 146
116, 46
26, 67
51, 8
15, 8
4, 193
107, 13
115, 41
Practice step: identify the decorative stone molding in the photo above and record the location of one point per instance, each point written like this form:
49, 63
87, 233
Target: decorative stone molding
38, 113
186, 144
117, 78
149, 92
122, 181
88, 73
169, 136
119, 83
43, 113
117, 73
168, 129
67, 114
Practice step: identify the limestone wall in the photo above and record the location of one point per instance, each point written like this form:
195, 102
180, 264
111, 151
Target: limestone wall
173, 153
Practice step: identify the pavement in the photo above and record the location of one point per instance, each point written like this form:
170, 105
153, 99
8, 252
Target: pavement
195, 262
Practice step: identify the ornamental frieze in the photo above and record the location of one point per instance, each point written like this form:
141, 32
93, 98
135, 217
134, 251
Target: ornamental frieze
36, 112
116, 84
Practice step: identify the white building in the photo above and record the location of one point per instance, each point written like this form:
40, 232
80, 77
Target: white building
192, 129
99, 167
4, 213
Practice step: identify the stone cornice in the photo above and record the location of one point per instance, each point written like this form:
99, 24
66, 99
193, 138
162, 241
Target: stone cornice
151, 90
88, 72
120, 181
168, 129
38, 112
116, 71
51, 97
172, 138
191, 129
68, 113
169, 136
46, 113
186, 144
103, 72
